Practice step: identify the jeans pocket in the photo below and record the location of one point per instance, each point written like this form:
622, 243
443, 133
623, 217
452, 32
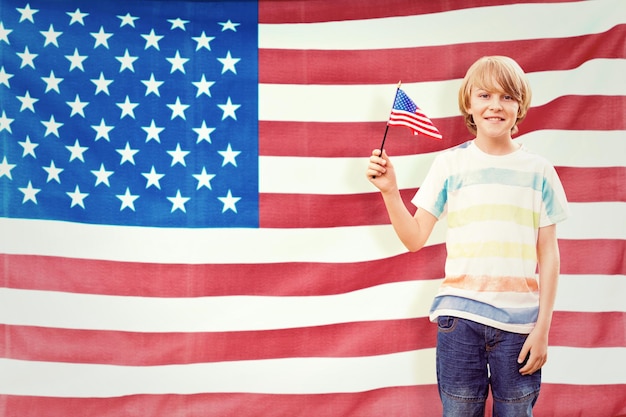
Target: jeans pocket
446, 324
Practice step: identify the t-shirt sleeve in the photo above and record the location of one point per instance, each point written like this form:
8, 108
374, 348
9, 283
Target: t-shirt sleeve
554, 208
432, 194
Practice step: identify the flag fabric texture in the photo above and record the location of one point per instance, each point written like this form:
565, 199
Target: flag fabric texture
186, 228
406, 113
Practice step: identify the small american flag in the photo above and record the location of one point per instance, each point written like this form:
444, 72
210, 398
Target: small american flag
406, 113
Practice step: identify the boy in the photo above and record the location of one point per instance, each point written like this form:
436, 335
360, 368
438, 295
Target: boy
502, 204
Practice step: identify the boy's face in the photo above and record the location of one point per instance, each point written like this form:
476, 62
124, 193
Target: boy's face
494, 112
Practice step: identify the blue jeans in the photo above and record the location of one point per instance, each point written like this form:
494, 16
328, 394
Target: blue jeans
470, 358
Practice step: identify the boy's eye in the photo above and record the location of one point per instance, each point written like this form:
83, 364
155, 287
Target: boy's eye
508, 98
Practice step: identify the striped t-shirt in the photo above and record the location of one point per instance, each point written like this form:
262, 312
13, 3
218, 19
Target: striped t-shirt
495, 206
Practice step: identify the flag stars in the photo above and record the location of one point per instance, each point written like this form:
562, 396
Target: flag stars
28, 148
228, 63
101, 37
52, 82
102, 176
178, 23
152, 40
178, 156
128, 154
77, 197
53, 172
152, 85
127, 199
178, 202
127, 19
28, 59
78, 107
152, 132
229, 109
178, 63
4, 76
153, 178
178, 109
5, 122
27, 13
4, 34
76, 60
102, 131
51, 36
203, 41
204, 179
229, 156
229, 202
77, 17
30, 193
52, 126
27, 102
203, 86
126, 61
229, 25
203, 132
128, 108
102, 84
5, 168
76, 151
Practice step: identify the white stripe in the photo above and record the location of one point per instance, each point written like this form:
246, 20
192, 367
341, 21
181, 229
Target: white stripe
510, 22
213, 314
271, 376
228, 246
591, 293
437, 99
329, 176
592, 366
400, 300
594, 221
281, 376
219, 246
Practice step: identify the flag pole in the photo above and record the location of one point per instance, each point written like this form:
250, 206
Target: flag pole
387, 128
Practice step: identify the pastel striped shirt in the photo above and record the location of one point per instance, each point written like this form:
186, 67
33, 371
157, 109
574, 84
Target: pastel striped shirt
495, 206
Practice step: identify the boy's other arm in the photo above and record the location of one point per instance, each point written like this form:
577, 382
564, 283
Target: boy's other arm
548, 259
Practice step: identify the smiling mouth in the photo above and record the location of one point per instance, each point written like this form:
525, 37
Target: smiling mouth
494, 119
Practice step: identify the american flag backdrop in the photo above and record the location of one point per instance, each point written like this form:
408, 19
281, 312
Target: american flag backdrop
185, 224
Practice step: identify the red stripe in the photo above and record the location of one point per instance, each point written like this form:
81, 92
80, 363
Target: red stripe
555, 400
588, 330
589, 257
381, 66
280, 11
358, 139
149, 349
588, 185
581, 185
413, 401
585, 330
160, 280
599, 256
559, 400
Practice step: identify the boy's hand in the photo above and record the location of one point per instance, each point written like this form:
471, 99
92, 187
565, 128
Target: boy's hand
380, 171
536, 350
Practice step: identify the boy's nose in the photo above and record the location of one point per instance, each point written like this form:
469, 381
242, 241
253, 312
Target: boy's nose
495, 105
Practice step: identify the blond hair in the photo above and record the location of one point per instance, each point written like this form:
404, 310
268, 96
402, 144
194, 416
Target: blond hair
495, 74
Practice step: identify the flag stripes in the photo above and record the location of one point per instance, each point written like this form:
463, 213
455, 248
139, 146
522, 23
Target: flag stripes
602, 366
366, 338
378, 66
